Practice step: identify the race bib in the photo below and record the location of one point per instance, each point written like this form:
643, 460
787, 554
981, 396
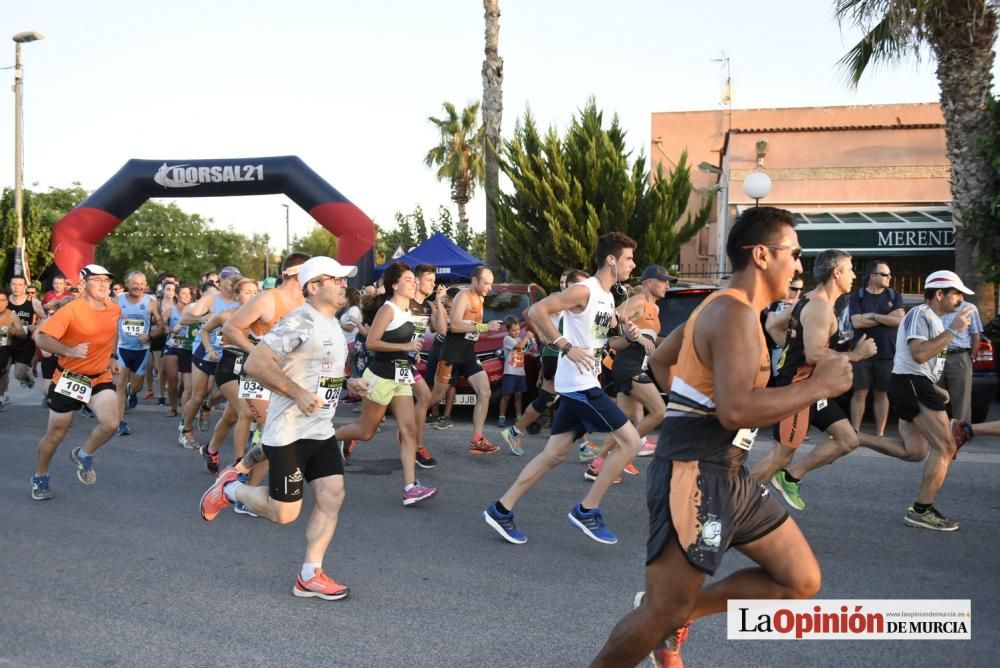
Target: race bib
180, 339
472, 336
598, 360
250, 388
328, 388
821, 404
745, 438
238, 363
420, 323
74, 386
134, 327
4, 338
645, 363
404, 374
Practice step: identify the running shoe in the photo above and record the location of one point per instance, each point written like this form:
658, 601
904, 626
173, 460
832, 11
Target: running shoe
584, 453
592, 524
5, 400
931, 519
321, 586
133, 400
668, 653
346, 448
162, 401
514, 441
147, 395
631, 469
85, 472
482, 446
187, 440
203, 416
594, 470
29, 382
961, 432
444, 422
240, 509
418, 493
424, 459
214, 499
40, 488
123, 429
788, 490
86, 412
211, 459
504, 525
502, 423
648, 448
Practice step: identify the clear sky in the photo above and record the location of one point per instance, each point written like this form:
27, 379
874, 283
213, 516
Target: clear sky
348, 86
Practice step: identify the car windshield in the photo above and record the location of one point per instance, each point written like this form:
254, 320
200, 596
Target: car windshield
499, 305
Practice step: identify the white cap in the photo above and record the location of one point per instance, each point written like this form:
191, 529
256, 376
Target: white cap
321, 265
942, 280
95, 270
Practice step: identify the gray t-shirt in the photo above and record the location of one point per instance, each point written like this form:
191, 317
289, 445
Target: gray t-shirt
313, 353
923, 324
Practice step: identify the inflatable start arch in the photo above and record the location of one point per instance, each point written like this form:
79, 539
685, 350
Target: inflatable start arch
77, 234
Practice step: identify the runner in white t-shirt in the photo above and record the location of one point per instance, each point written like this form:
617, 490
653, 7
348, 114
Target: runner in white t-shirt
301, 360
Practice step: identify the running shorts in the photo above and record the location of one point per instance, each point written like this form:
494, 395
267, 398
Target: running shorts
907, 393
706, 508
48, 365
134, 360
384, 390
587, 411
60, 403
225, 369
447, 370
205, 366
549, 365
302, 461
183, 358
157, 343
22, 352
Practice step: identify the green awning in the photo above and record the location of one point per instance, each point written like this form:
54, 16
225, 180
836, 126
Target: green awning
883, 232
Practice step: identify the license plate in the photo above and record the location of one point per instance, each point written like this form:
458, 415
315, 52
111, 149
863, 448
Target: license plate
463, 400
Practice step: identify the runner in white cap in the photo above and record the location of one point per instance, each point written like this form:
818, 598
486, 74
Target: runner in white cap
301, 360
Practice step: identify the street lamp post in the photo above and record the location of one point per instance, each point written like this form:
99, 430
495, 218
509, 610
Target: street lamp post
19, 39
722, 212
288, 238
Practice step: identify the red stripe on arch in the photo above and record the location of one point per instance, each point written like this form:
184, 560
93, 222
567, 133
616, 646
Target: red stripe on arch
355, 230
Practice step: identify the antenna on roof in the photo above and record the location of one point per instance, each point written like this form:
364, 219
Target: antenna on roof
726, 97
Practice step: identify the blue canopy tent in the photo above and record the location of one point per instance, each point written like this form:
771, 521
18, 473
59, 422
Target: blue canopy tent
452, 263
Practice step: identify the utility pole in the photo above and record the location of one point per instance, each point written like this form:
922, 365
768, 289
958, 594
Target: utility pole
288, 238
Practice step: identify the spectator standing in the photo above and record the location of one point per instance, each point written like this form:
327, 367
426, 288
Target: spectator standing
957, 375
876, 311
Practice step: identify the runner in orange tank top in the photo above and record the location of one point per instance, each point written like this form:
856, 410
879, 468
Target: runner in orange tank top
84, 336
701, 498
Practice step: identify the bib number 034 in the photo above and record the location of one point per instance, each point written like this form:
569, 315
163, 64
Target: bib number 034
251, 389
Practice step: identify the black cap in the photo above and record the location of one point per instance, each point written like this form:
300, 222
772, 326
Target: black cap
659, 273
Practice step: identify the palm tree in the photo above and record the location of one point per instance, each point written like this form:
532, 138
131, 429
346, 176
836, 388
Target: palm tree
492, 112
459, 156
960, 34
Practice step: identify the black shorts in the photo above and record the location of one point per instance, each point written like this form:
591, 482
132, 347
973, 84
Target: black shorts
60, 403
587, 411
447, 372
625, 378
157, 343
298, 462
872, 374
206, 367
4, 357
23, 353
134, 360
707, 508
549, 364
49, 365
908, 392
183, 358
225, 370
822, 414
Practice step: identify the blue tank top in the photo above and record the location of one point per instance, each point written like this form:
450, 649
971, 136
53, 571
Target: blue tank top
134, 322
218, 306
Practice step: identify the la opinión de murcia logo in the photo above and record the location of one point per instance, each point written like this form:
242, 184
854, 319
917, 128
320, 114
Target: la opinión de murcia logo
188, 176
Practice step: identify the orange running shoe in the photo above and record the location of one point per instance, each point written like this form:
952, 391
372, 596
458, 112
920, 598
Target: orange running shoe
481, 446
668, 655
319, 585
213, 501
631, 469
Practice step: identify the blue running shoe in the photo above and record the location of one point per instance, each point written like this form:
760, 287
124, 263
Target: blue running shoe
40, 488
133, 401
504, 525
123, 429
85, 472
592, 524
240, 509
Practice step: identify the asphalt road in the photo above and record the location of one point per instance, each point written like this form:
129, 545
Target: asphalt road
126, 573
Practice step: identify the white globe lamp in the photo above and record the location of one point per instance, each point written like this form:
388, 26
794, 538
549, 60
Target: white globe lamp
757, 185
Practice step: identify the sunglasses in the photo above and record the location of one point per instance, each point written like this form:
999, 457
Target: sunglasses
795, 289
883, 274
796, 251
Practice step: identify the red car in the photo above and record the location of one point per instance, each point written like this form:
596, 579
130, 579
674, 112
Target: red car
504, 300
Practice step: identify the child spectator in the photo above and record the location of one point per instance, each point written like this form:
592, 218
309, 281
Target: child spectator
514, 347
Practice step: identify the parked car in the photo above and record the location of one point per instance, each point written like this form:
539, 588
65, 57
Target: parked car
506, 299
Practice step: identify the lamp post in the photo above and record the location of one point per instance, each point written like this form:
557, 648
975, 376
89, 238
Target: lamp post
288, 238
722, 213
19, 39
